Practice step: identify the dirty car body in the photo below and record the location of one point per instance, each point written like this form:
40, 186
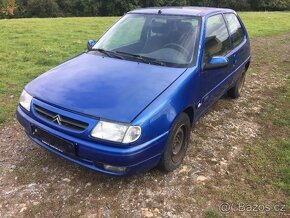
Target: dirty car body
124, 106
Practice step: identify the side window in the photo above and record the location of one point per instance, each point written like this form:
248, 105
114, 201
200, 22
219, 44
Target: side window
217, 40
235, 29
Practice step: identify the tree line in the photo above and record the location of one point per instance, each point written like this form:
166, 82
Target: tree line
68, 8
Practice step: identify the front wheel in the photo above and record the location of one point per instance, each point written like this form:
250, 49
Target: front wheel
177, 144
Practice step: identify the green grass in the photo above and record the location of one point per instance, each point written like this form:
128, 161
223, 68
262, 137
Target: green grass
210, 213
29, 47
274, 157
266, 23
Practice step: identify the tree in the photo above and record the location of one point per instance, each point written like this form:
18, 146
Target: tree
54, 8
91, 7
42, 8
117, 7
8, 7
270, 5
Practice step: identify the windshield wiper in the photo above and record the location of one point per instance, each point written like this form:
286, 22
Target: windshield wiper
143, 58
110, 54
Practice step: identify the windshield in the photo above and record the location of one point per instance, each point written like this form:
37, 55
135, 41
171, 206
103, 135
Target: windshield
158, 39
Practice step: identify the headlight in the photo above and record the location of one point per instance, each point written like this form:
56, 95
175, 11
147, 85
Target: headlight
116, 132
25, 100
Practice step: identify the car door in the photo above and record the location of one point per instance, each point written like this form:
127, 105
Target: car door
241, 46
217, 43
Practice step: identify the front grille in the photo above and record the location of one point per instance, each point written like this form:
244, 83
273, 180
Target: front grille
60, 119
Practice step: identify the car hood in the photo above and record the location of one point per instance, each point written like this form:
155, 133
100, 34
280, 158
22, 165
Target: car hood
103, 87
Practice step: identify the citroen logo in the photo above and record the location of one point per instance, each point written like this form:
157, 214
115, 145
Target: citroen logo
57, 119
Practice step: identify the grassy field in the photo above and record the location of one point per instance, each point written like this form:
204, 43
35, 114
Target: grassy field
29, 47
266, 24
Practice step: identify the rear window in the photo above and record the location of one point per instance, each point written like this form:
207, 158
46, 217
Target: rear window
235, 29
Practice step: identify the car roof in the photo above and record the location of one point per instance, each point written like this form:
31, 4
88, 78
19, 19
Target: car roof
191, 11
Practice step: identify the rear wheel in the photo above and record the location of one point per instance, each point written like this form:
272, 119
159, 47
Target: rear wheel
177, 144
236, 91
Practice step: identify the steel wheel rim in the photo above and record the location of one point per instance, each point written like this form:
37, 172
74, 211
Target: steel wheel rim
179, 142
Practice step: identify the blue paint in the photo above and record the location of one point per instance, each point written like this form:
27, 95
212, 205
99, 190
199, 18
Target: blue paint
91, 87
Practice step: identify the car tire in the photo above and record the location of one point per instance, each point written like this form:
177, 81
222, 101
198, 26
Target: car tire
176, 146
236, 91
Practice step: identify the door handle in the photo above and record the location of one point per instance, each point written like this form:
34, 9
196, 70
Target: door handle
202, 101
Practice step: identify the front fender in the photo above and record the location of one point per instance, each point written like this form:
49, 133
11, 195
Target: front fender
158, 117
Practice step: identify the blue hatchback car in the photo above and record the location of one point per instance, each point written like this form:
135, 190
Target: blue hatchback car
129, 102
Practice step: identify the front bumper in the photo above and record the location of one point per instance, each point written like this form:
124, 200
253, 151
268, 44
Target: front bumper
135, 159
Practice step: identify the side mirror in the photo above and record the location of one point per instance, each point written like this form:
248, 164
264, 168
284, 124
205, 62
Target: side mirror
216, 62
91, 44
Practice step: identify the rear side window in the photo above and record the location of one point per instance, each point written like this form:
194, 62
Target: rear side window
235, 29
217, 40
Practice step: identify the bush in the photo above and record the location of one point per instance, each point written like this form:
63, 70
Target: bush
43, 8
55, 8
